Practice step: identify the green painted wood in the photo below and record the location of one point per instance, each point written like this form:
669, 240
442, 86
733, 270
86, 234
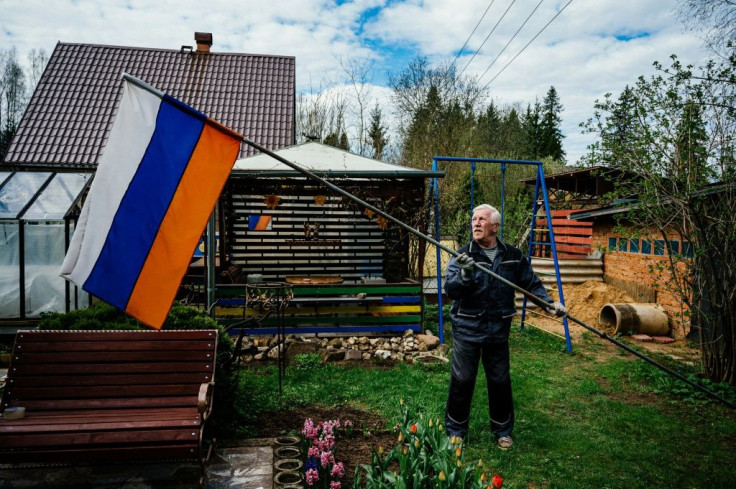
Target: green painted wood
293, 320
356, 289
229, 291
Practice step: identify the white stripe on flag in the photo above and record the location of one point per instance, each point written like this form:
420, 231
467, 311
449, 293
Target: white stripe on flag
127, 143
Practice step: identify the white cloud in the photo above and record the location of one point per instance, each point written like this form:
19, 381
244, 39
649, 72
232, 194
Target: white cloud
584, 52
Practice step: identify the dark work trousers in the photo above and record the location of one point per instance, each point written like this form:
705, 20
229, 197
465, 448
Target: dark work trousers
465, 358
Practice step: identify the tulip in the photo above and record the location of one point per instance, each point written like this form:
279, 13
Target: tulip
416, 442
459, 451
430, 422
413, 428
482, 476
401, 436
442, 477
497, 481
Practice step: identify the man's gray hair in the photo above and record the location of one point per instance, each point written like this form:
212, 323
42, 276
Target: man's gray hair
495, 215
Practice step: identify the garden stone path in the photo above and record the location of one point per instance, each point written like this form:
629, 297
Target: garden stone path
249, 466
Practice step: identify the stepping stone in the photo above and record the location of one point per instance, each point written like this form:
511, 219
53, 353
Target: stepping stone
642, 337
664, 340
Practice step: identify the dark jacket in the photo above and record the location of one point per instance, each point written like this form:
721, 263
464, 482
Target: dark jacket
482, 306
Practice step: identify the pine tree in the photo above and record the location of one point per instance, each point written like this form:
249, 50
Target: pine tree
532, 132
337, 140
377, 138
488, 132
551, 134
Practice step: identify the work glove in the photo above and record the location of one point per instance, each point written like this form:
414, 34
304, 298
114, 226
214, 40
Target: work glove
557, 309
466, 265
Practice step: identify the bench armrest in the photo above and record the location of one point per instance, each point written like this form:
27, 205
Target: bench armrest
204, 404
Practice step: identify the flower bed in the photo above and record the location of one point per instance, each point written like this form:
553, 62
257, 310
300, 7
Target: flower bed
423, 457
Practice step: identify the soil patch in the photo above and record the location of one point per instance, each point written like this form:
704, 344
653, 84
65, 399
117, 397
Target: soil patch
353, 450
584, 302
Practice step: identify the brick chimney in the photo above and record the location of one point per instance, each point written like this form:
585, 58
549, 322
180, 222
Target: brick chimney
204, 41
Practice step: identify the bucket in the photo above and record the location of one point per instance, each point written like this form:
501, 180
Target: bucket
635, 318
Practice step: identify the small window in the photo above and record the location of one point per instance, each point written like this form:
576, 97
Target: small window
687, 249
674, 247
622, 242
633, 246
646, 247
611, 244
659, 247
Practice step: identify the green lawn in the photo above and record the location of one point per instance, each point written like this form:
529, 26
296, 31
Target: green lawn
599, 418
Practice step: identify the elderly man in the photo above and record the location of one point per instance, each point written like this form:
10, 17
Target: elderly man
481, 315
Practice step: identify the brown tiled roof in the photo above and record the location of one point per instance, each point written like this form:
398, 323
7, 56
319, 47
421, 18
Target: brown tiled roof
70, 114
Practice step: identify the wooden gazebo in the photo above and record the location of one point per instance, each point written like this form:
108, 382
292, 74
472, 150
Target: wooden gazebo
349, 268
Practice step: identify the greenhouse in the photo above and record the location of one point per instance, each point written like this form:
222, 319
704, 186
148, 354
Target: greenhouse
37, 216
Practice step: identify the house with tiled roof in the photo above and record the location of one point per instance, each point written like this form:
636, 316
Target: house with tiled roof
63, 133
69, 117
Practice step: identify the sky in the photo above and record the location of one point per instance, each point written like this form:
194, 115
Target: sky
587, 49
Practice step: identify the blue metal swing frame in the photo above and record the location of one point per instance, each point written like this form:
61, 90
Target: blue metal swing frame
540, 186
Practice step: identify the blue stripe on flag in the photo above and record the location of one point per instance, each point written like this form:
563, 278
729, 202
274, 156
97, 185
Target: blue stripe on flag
144, 205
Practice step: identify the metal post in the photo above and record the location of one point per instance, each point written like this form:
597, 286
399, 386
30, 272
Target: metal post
472, 198
548, 211
531, 242
503, 199
210, 250
438, 253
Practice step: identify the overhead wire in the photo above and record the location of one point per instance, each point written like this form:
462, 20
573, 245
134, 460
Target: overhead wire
487, 37
471, 34
510, 40
525, 46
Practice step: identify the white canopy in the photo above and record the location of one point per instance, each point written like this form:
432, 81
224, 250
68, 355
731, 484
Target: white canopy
325, 160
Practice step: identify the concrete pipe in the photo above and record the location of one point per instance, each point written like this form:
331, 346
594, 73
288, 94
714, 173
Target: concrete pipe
635, 318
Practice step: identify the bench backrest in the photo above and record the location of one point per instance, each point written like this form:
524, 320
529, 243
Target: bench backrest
78, 370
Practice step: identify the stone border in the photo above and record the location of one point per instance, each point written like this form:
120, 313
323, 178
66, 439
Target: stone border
408, 348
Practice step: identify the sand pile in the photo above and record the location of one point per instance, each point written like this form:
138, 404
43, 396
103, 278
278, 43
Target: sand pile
584, 301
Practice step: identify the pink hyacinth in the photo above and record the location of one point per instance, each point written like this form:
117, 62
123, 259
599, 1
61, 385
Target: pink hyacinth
309, 429
326, 458
313, 452
312, 477
335, 485
338, 470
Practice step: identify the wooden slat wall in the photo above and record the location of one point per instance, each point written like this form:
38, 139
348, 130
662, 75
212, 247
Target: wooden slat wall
350, 244
572, 238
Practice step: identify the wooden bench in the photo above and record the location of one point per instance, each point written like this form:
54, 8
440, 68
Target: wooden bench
104, 396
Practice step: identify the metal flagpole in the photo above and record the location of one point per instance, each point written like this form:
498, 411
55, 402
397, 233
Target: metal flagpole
452, 252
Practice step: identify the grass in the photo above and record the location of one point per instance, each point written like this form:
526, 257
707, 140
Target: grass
583, 420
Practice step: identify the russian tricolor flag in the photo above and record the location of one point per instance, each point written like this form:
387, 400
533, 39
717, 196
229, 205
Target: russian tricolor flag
156, 185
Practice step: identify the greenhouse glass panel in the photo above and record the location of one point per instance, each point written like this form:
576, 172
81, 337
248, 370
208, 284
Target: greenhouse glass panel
3, 176
18, 192
44, 252
57, 197
9, 269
